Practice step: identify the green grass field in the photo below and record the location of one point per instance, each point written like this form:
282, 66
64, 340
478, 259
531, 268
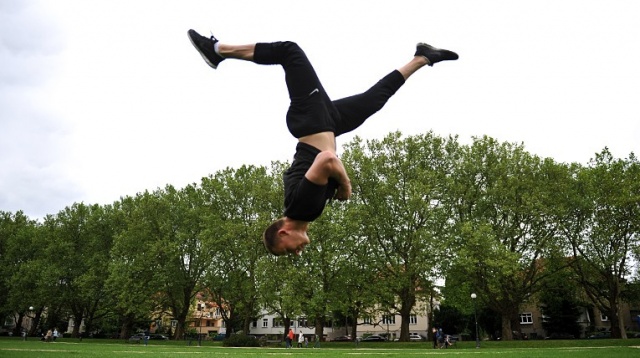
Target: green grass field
14, 347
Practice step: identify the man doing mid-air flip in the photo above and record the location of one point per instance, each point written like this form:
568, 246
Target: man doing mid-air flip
316, 174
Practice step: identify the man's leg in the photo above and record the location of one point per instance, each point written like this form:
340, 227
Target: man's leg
300, 76
311, 110
356, 109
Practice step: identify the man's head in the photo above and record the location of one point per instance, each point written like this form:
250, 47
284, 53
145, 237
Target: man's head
286, 236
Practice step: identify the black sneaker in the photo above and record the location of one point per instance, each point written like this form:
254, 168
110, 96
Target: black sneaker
204, 45
434, 55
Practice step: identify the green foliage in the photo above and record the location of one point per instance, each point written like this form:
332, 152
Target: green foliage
602, 227
241, 340
502, 199
398, 205
451, 320
559, 299
485, 217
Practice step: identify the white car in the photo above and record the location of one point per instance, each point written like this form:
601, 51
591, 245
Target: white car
413, 337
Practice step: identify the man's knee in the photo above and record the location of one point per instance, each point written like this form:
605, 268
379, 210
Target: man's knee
291, 54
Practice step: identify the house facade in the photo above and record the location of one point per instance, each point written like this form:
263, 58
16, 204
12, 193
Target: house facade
589, 320
207, 321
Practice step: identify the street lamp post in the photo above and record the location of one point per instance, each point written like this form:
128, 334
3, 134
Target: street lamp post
475, 316
25, 331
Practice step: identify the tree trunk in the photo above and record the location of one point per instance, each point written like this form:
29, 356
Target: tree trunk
246, 324
617, 325
17, 331
507, 332
77, 322
405, 314
408, 297
287, 326
354, 326
35, 322
319, 326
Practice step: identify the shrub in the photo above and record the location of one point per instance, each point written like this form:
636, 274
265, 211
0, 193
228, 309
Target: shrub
241, 340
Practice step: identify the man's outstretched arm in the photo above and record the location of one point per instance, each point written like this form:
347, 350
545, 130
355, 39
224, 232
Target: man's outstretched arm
328, 165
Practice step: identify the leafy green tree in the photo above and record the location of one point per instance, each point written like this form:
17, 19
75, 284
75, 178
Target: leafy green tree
275, 276
162, 255
450, 319
77, 249
239, 208
399, 187
355, 291
20, 246
602, 221
502, 200
130, 274
328, 273
559, 300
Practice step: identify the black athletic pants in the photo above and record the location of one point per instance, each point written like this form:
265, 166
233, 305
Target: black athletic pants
311, 110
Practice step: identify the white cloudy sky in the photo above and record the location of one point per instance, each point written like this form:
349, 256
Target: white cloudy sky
105, 98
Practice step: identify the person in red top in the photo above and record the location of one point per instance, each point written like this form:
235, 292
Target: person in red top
289, 338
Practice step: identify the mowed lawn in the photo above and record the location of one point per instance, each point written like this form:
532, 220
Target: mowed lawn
14, 347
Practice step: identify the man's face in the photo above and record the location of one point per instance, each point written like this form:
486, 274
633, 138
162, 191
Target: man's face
294, 242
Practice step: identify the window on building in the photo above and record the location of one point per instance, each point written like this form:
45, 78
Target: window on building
302, 322
265, 323
389, 319
366, 320
413, 319
526, 318
254, 324
277, 323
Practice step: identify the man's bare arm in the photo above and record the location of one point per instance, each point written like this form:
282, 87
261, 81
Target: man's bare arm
328, 165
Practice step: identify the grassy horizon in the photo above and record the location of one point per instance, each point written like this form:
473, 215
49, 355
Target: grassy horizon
102, 348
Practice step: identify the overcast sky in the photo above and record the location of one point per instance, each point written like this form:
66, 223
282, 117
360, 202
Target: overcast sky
106, 98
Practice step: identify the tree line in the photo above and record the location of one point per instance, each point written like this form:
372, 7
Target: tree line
485, 217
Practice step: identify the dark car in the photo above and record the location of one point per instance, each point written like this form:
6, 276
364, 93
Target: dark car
600, 335
373, 338
159, 337
219, 337
342, 339
560, 336
137, 337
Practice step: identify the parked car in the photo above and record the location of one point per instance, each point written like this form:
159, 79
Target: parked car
413, 337
342, 339
159, 337
219, 337
373, 338
600, 335
137, 337
560, 336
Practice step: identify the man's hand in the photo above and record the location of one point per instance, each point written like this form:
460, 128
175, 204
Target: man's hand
344, 191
